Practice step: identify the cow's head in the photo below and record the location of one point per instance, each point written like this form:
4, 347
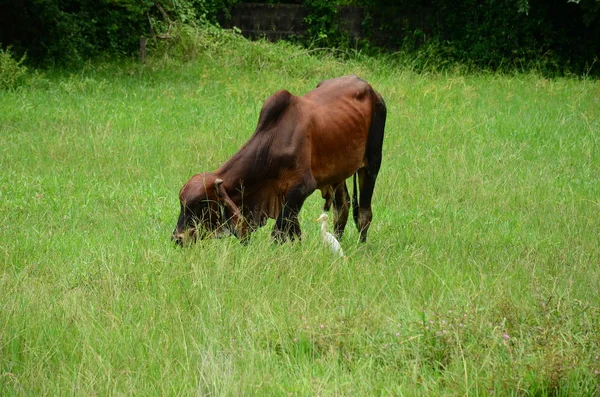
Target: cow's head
206, 210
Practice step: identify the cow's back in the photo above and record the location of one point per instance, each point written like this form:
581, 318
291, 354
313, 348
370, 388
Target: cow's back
340, 111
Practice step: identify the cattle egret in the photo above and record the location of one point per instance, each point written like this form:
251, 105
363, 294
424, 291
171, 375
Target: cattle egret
328, 238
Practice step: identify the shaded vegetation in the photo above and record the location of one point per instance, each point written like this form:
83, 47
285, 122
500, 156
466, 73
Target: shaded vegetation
557, 37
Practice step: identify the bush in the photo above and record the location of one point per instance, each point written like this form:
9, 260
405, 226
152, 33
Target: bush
554, 37
70, 32
321, 22
12, 72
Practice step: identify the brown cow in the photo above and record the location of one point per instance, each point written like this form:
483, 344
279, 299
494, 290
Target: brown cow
315, 141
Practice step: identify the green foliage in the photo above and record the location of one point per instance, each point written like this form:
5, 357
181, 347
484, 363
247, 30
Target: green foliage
491, 36
189, 42
236, 52
557, 37
497, 35
321, 22
73, 31
70, 32
12, 72
590, 9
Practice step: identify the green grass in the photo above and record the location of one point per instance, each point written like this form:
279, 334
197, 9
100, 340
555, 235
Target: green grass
480, 275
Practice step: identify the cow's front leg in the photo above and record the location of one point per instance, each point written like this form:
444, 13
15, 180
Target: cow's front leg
287, 225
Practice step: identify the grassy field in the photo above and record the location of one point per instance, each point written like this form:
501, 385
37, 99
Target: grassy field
480, 275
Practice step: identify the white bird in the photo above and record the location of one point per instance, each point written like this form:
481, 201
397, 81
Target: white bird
328, 238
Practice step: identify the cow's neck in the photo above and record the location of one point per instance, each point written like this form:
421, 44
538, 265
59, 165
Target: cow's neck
248, 182
242, 173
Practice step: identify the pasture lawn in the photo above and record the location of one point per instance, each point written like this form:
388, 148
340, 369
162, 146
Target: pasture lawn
480, 275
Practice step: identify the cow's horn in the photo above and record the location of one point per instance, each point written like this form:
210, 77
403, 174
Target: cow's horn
236, 214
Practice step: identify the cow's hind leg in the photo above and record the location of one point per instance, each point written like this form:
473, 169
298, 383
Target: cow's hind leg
341, 205
366, 183
287, 225
368, 175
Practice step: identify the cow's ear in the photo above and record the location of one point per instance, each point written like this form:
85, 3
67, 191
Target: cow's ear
224, 199
236, 214
222, 195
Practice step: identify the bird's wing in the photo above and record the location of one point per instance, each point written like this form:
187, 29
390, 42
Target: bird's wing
334, 244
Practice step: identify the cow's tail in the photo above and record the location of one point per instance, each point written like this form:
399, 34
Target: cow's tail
355, 201
368, 174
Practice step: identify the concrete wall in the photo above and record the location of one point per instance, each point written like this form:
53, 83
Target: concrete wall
275, 21
280, 21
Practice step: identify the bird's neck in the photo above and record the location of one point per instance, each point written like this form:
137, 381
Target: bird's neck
323, 229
